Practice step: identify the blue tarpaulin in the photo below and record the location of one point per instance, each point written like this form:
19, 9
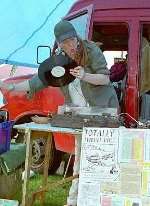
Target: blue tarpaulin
26, 24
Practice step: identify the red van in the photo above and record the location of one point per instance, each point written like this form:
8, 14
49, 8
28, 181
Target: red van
118, 26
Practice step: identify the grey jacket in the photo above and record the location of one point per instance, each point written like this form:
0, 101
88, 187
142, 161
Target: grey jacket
95, 95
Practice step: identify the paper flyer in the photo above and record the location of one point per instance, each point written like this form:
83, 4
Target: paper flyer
88, 194
106, 200
145, 201
146, 182
131, 145
112, 200
111, 187
133, 202
125, 149
99, 154
117, 201
147, 146
130, 179
138, 148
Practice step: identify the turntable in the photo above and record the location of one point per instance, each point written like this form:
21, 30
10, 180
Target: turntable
79, 117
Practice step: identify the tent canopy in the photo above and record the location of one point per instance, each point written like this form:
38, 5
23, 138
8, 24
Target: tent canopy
27, 24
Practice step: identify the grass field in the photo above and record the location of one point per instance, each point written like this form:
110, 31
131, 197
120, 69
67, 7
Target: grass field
55, 196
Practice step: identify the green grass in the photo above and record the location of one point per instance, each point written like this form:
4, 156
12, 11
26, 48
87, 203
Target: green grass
55, 196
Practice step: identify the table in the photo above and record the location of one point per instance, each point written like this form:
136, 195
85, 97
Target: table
29, 129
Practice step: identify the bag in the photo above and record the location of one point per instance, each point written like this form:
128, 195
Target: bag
118, 71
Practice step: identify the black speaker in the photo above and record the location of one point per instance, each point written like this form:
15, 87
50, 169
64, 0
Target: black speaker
55, 71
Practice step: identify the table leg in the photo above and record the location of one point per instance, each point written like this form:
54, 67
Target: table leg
27, 167
46, 163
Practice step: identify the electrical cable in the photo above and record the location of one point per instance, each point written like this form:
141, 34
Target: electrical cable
138, 123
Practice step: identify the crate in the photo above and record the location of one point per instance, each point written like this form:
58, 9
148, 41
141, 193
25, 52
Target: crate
11, 185
5, 136
4, 202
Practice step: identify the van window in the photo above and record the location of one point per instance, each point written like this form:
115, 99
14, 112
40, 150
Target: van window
80, 24
113, 38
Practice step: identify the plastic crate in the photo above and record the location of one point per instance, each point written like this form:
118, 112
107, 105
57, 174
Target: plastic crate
5, 136
4, 202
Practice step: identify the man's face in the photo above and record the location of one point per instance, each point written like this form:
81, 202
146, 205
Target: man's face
69, 46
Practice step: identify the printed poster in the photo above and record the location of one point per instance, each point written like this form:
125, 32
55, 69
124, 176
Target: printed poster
131, 145
88, 194
146, 181
147, 146
99, 154
98, 163
118, 200
130, 177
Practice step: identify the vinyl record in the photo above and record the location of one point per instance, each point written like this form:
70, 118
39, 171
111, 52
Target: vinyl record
54, 71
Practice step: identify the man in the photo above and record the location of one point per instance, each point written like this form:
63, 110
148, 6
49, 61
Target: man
91, 87
93, 81
118, 72
145, 77
145, 66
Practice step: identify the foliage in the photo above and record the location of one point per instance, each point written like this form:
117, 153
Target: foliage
56, 196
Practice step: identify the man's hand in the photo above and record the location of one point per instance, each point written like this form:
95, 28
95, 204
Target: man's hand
40, 120
78, 72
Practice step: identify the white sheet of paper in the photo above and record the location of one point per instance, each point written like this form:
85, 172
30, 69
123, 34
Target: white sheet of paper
88, 194
147, 146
